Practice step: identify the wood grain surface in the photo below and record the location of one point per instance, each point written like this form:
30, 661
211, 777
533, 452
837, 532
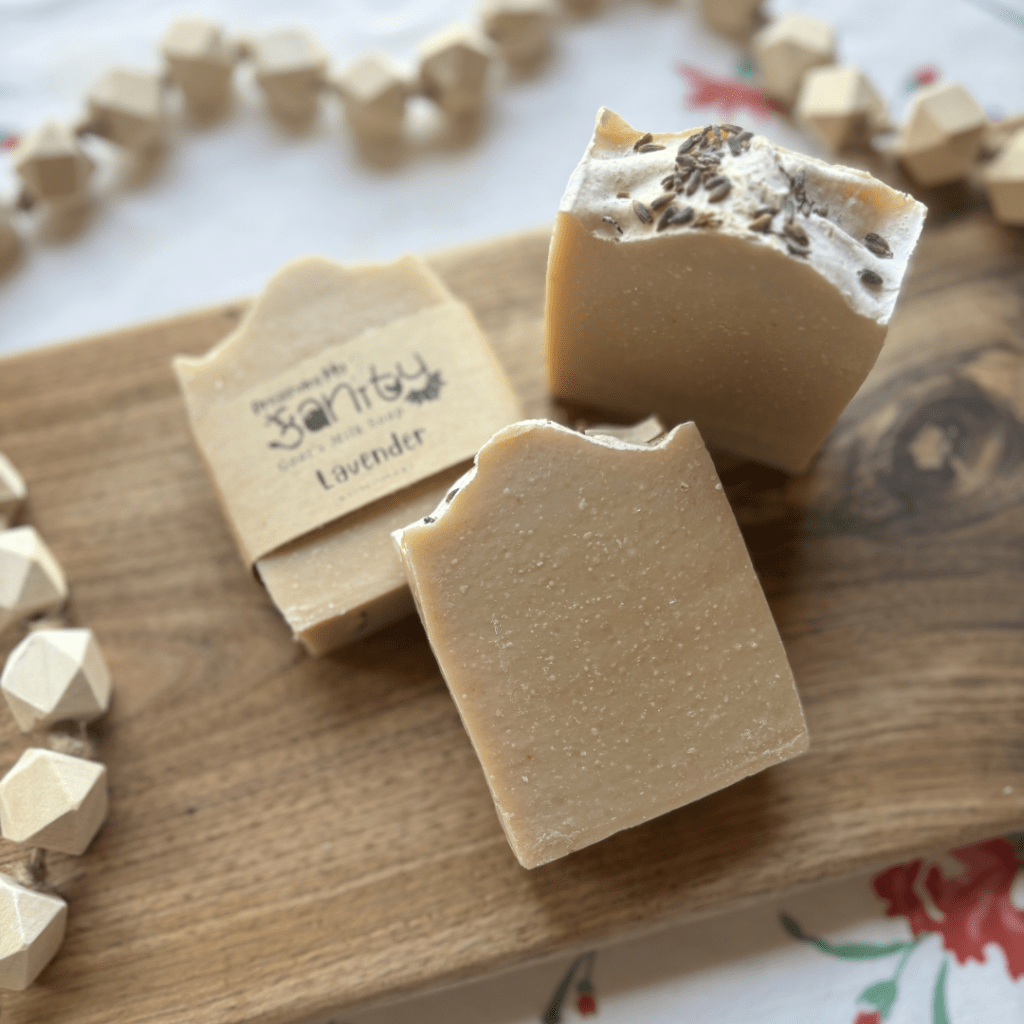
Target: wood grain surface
289, 837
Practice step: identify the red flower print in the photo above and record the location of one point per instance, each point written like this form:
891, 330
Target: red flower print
586, 1005
868, 1017
725, 95
926, 75
975, 909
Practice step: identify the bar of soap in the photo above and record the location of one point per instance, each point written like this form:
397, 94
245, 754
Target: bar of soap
342, 581
596, 616
746, 287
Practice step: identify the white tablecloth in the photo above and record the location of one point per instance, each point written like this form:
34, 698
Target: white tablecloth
233, 203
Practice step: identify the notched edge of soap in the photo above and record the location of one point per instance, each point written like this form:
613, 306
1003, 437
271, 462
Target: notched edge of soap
458, 489
190, 368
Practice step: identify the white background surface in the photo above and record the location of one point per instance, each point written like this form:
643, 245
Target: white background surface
233, 203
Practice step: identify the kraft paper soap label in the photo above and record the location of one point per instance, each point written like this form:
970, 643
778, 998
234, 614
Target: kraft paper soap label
360, 420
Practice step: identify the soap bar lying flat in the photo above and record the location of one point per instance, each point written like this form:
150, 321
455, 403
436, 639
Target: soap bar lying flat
595, 614
343, 421
716, 277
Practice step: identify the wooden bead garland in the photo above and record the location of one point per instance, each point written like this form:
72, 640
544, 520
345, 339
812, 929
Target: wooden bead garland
52, 798
795, 56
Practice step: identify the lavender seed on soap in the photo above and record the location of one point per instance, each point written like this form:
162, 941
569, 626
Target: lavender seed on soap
651, 147
762, 223
694, 184
675, 217
744, 139
878, 245
642, 212
614, 223
870, 279
795, 250
428, 519
734, 129
687, 144
717, 129
663, 200
642, 141
451, 494
718, 189
797, 233
621, 195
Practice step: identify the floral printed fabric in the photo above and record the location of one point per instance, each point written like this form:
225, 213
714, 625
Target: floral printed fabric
972, 910
929, 941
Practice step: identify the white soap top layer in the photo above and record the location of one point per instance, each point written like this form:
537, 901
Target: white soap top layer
830, 207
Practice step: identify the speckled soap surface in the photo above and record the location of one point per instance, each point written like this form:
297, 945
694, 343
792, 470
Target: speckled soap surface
597, 619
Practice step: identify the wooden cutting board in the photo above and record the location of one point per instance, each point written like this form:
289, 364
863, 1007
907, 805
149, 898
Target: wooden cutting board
289, 837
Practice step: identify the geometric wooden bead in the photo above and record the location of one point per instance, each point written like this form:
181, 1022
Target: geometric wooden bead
730, 17
522, 29
53, 800
840, 106
1004, 181
12, 491
52, 164
942, 134
453, 69
374, 90
55, 675
32, 928
127, 108
290, 67
787, 49
31, 581
200, 61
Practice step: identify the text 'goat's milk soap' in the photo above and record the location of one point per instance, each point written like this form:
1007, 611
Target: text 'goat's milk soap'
344, 405
595, 614
710, 275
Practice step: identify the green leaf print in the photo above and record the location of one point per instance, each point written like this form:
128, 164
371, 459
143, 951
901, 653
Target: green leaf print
847, 951
881, 996
939, 1012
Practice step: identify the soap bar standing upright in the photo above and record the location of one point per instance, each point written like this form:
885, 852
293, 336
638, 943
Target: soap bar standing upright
710, 275
594, 612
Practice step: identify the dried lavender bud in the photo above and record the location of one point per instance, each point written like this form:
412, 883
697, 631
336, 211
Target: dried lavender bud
878, 245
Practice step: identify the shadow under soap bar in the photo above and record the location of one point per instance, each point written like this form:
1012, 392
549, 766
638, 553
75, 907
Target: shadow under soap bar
596, 616
342, 580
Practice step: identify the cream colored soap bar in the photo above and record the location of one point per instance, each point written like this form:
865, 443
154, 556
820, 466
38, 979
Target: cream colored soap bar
343, 580
597, 619
712, 276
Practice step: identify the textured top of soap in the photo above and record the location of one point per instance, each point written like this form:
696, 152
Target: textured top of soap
804, 208
514, 430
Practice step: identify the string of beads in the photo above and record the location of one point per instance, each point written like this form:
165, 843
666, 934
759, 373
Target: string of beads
945, 133
55, 682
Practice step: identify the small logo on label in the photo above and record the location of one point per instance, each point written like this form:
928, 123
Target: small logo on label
430, 391
333, 400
